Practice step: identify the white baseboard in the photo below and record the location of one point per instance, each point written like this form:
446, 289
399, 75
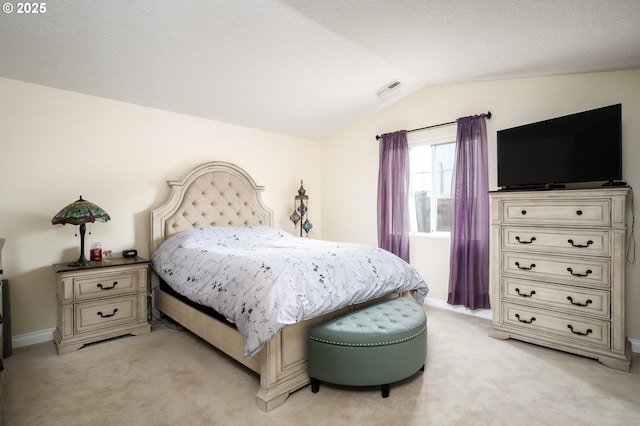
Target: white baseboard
438, 303
47, 335
486, 313
32, 338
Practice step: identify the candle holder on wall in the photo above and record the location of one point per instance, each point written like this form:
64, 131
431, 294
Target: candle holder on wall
301, 211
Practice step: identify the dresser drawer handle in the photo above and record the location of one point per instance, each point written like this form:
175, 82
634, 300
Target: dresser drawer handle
588, 301
524, 294
525, 242
579, 333
523, 212
115, 283
525, 321
579, 212
576, 274
101, 315
525, 268
580, 245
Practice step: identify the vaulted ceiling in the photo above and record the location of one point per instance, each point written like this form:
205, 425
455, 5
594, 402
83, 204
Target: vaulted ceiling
306, 68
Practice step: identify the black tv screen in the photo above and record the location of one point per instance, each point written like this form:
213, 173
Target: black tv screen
581, 147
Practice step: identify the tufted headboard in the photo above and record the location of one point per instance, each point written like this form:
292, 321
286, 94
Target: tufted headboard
212, 194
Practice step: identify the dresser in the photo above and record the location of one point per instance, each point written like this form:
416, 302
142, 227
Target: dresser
558, 270
101, 301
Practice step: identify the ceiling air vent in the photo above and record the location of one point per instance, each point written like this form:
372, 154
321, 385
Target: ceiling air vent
388, 88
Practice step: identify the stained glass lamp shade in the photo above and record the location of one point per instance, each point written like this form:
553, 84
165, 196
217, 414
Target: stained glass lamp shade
80, 212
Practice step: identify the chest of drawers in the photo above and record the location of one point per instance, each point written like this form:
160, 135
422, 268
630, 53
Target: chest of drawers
99, 302
558, 270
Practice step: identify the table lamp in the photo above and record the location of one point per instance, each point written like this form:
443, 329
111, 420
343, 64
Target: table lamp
80, 212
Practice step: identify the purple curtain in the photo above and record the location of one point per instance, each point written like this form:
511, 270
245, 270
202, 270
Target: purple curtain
469, 265
393, 194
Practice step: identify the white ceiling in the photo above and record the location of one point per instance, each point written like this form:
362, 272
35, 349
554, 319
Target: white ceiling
306, 68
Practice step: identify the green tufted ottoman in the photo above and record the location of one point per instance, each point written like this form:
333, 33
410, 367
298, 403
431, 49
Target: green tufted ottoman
377, 345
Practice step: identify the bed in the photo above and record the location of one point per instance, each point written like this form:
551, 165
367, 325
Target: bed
220, 194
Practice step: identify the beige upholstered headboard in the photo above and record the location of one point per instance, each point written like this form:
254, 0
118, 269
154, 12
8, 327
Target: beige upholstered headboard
212, 194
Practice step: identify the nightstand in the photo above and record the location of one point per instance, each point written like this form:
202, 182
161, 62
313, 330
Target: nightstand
101, 301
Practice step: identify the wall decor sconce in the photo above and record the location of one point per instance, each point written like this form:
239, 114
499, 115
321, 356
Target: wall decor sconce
301, 211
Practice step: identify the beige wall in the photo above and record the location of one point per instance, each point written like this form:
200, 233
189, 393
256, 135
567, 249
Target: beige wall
351, 157
57, 145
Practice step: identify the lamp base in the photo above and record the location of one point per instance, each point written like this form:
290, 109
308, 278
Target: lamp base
82, 261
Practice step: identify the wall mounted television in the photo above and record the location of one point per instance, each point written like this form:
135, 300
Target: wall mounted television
581, 147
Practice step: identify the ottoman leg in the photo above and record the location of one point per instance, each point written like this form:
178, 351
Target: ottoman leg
385, 390
315, 385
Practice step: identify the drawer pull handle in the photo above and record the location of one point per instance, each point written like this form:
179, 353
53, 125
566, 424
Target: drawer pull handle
580, 245
576, 274
570, 299
523, 212
101, 315
579, 212
115, 283
525, 242
579, 333
524, 294
525, 268
525, 321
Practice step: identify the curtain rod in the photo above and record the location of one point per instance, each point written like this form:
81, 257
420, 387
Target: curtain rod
488, 115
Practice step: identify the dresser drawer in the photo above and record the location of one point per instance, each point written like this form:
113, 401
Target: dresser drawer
105, 285
567, 327
579, 242
557, 212
570, 270
110, 312
579, 300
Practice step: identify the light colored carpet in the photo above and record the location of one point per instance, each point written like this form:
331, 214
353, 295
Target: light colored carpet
170, 377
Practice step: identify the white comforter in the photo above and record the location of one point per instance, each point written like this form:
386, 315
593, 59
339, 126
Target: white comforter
262, 278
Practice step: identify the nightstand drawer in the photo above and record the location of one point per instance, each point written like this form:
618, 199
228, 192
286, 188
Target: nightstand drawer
104, 285
105, 313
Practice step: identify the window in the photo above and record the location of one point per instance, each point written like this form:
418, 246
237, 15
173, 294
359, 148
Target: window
431, 173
